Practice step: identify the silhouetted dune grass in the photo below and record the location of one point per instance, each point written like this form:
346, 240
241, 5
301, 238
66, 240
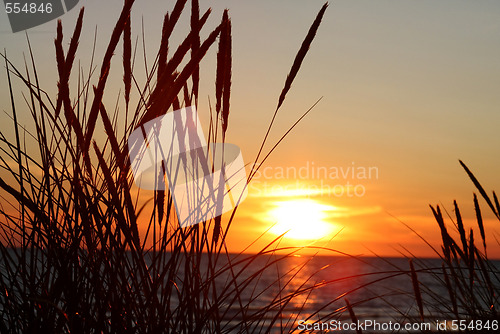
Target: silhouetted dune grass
74, 260
73, 257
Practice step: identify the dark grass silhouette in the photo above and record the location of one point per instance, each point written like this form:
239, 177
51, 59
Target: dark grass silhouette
73, 258
470, 277
465, 288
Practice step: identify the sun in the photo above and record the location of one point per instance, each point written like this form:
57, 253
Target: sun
303, 219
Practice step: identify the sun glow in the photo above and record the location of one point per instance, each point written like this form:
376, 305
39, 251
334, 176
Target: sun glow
301, 219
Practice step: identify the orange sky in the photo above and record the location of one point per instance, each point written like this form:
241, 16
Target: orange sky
408, 89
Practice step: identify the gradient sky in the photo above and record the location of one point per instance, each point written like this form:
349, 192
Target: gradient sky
408, 87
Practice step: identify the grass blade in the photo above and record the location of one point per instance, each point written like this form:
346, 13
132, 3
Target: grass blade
416, 290
481, 189
479, 219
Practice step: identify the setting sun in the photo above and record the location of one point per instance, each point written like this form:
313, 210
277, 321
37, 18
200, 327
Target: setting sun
301, 219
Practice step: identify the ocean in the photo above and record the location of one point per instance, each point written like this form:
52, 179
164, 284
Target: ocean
273, 293
381, 293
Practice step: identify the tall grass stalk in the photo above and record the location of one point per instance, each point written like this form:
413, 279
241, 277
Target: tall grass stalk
466, 287
74, 258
